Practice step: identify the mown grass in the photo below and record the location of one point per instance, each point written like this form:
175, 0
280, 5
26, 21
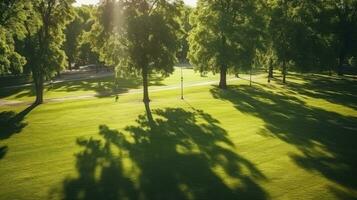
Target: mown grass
268, 141
103, 86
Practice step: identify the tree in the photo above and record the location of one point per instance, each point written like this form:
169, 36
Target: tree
86, 55
281, 30
224, 36
75, 46
44, 40
140, 37
12, 14
72, 32
312, 35
183, 38
340, 28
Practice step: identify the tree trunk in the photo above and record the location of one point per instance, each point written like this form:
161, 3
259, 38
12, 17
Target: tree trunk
340, 64
59, 73
250, 76
70, 64
270, 72
237, 73
223, 77
39, 89
148, 114
145, 85
284, 71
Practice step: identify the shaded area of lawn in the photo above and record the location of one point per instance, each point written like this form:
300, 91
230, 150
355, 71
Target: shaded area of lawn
3, 151
12, 123
105, 86
175, 156
327, 140
339, 90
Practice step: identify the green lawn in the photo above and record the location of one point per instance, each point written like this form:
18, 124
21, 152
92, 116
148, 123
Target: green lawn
104, 87
268, 141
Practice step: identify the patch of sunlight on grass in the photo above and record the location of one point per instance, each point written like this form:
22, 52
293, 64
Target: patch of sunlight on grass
185, 189
331, 107
230, 182
188, 148
266, 101
271, 141
131, 170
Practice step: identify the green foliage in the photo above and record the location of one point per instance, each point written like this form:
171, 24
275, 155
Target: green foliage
312, 35
225, 34
12, 14
138, 37
72, 31
10, 61
186, 27
77, 46
339, 28
42, 46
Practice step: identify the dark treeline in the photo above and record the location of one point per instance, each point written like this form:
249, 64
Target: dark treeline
142, 37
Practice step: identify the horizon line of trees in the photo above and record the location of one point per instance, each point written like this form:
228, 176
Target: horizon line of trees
142, 37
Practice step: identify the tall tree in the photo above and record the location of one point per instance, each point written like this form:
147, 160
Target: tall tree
281, 30
86, 54
183, 37
75, 46
72, 32
140, 37
45, 39
12, 15
224, 36
312, 35
341, 27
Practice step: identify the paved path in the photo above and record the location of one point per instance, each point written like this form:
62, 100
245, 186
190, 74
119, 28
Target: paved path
68, 78
94, 95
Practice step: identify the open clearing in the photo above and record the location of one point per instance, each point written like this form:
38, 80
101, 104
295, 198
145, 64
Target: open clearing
267, 141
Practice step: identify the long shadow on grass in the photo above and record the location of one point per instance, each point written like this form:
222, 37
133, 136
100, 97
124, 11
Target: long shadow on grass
3, 151
327, 140
334, 89
180, 155
103, 87
12, 122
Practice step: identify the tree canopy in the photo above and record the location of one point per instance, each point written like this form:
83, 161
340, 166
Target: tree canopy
43, 44
143, 37
138, 37
224, 36
12, 14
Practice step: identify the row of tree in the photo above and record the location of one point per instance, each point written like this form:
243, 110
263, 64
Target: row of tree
77, 45
142, 37
225, 36
304, 35
43, 37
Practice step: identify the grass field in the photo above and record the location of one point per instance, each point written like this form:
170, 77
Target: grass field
267, 141
103, 87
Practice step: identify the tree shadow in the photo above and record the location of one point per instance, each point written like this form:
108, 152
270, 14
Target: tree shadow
12, 122
340, 194
3, 151
326, 139
338, 90
182, 155
19, 91
103, 87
